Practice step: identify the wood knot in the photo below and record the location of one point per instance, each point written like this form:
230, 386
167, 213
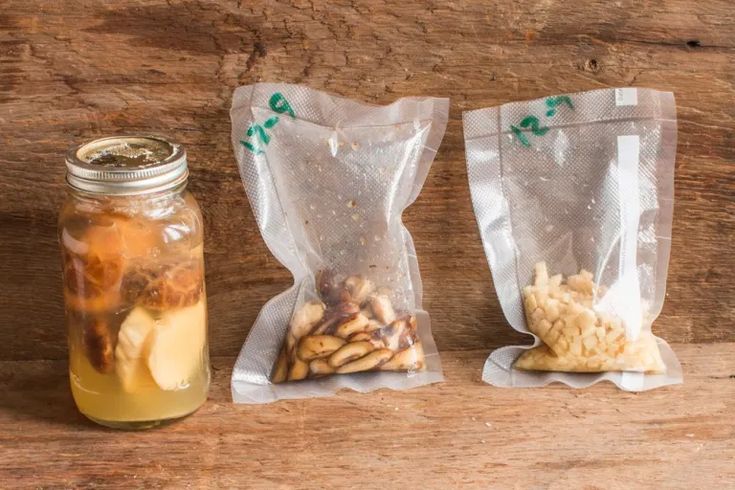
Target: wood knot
260, 49
592, 65
694, 43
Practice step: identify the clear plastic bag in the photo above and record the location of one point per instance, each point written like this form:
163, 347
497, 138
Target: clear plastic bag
573, 195
328, 179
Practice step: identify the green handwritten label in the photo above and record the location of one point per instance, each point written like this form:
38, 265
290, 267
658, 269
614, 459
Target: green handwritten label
280, 105
553, 102
534, 124
258, 133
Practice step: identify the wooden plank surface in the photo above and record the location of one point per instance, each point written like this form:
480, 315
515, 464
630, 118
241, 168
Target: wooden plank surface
461, 432
71, 70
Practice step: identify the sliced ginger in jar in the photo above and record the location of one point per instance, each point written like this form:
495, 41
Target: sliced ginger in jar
177, 346
133, 346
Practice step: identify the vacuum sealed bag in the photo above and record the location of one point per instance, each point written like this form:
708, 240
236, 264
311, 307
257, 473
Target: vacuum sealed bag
328, 179
574, 197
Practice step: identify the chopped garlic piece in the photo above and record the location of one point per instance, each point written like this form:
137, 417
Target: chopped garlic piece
575, 337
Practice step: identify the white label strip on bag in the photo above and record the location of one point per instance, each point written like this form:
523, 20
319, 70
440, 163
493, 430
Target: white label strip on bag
629, 298
628, 195
626, 96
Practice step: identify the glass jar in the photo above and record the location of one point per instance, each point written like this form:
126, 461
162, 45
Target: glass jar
132, 248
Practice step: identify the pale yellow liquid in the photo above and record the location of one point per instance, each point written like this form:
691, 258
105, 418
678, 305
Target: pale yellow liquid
102, 398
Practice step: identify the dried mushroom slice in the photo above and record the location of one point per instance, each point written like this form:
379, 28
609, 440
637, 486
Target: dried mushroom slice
320, 367
359, 288
95, 261
99, 345
317, 346
164, 286
370, 361
349, 352
335, 316
299, 370
306, 318
352, 324
93, 269
382, 308
354, 329
399, 334
280, 370
331, 289
575, 337
409, 359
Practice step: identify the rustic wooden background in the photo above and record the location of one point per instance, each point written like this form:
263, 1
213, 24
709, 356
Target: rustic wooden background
72, 70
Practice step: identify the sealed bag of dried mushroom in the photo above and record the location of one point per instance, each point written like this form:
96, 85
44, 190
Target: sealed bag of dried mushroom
573, 195
328, 179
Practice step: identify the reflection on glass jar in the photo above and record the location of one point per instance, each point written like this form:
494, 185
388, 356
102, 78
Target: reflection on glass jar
132, 248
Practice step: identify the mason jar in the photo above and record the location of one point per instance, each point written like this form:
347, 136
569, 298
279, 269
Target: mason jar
133, 268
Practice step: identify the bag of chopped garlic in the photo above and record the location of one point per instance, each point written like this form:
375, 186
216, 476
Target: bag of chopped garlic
328, 179
573, 196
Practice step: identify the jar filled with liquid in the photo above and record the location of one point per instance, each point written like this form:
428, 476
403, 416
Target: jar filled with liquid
132, 249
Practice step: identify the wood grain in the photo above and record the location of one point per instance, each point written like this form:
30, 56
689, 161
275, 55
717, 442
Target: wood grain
461, 432
71, 70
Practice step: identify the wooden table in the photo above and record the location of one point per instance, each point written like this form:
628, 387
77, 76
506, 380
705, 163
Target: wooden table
72, 70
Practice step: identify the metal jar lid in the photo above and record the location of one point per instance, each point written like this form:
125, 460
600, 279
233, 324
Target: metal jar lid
126, 165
